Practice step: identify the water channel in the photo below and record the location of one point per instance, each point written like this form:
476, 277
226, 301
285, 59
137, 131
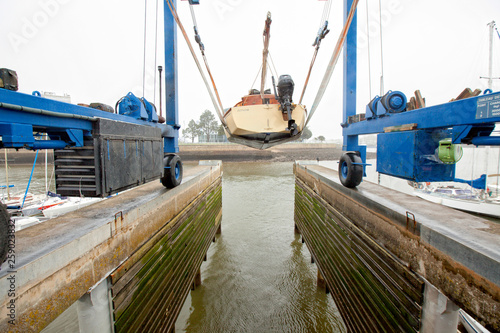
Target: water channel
258, 276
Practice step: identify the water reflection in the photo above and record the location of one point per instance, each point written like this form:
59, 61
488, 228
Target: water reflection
259, 276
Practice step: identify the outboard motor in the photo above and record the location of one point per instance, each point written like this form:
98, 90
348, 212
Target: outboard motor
285, 92
285, 87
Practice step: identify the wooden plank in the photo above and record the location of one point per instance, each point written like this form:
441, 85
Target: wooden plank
420, 102
400, 128
411, 104
466, 93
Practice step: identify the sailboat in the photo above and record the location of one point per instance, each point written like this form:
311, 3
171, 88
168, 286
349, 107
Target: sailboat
263, 119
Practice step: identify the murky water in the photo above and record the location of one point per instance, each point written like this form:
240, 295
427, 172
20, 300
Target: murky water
19, 176
259, 276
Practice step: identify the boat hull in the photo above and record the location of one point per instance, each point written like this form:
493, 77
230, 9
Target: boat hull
471, 206
262, 126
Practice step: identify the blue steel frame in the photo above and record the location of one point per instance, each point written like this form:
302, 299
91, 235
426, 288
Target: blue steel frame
458, 115
67, 124
171, 144
350, 142
462, 116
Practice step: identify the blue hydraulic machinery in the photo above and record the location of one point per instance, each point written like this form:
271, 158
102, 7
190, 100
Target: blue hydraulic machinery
417, 145
98, 153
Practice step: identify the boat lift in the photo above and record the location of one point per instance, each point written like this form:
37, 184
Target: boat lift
416, 145
98, 153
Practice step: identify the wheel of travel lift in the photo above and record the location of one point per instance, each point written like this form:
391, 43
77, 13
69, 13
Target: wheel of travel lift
173, 170
4, 232
350, 174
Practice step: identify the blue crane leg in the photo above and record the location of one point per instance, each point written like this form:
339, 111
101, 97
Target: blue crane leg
350, 142
171, 144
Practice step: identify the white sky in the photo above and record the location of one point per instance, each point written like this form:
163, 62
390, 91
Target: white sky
93, 50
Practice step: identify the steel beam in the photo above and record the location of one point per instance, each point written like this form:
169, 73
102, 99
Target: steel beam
458, 113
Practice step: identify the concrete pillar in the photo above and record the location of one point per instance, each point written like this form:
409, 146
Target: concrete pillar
197, 278
321, 281
94, 310
439, 314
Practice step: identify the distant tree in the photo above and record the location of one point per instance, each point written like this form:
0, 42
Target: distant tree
306, 134
208, 124
221, 130
192, 131
320, 138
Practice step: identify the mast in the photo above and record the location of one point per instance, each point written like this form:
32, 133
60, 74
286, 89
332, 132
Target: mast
490, 60
267, 36
490, 63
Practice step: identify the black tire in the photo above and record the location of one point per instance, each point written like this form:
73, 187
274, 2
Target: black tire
172, 175
4, 232
350, 174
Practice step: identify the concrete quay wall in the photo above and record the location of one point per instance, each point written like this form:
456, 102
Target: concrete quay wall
64, 259
454, 252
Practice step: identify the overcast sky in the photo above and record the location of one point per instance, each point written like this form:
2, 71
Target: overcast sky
94, 50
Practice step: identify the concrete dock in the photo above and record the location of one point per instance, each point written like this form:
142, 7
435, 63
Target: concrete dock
66, 259
390, 245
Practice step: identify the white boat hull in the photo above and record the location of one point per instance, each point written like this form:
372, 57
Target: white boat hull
262, 126
69, 206
471, 206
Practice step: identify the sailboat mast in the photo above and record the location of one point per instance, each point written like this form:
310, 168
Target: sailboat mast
490, 64
267, 36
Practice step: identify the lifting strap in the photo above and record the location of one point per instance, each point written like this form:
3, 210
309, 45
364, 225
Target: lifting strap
333, 61
323, 31
217, 104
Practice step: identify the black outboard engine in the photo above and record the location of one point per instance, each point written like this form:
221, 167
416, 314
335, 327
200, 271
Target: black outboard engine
284, 97
285, 87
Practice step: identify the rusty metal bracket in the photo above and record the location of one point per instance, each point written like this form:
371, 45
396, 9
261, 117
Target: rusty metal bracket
118, 223
411, 216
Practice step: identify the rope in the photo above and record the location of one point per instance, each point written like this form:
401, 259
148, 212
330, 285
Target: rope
144, 57
326, 12
272, 62
181, 27
256, 76
381, 50
323, 31
156, 53
333, 61
202, 49
369, 54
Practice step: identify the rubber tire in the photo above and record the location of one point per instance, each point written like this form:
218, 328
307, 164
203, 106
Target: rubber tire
350, 174
172, 176
4, 232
